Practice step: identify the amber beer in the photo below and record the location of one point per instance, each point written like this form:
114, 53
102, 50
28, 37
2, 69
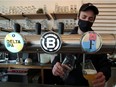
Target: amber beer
90, 75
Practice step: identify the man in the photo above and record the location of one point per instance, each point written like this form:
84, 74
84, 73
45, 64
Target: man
86, 18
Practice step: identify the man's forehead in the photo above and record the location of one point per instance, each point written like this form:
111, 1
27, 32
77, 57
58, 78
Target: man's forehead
88, 13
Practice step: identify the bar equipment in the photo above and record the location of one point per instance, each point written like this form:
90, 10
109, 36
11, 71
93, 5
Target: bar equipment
38, 32
61, 28
91, 42
17, 27
28, 61
38, 28
70, 43
14, 43
61, 31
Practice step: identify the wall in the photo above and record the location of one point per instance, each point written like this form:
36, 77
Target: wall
107, 1
39, 3
50, 4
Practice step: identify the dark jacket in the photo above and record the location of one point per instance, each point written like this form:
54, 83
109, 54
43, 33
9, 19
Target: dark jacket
100, 61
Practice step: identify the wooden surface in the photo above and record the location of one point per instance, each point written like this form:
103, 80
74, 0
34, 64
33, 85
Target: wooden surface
64, 16
22, 16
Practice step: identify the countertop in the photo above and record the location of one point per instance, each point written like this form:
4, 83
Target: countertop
14, 84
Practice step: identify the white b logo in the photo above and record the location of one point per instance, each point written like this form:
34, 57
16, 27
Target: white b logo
50, 42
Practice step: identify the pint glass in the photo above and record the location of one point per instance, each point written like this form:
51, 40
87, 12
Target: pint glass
89, 71
68, 65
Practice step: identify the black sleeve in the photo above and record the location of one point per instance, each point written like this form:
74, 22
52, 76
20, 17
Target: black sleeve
103, 64
57, 79
56, 59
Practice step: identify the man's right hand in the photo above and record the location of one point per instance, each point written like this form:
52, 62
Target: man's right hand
58, 70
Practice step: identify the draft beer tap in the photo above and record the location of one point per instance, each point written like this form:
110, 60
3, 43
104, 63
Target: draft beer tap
61, 31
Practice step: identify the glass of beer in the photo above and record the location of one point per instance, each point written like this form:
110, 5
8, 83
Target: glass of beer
89, 71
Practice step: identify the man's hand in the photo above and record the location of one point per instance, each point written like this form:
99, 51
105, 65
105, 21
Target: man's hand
58, 70
99, 80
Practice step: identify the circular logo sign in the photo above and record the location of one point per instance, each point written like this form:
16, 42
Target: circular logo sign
14, 42
50, 42
91, 42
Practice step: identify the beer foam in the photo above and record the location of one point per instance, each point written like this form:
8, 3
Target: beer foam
90, 71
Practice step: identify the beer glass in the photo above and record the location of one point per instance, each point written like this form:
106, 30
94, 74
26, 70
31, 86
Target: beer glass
89, 71
68, 65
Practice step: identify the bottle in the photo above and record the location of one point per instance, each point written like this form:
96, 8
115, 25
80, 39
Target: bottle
56, 8
75, 8
45, 9
71, 9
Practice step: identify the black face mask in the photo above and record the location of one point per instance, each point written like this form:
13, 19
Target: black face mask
85, 25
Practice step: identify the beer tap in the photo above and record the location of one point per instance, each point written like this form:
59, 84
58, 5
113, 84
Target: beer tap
38, 32
61, 31
17, 29
91, 42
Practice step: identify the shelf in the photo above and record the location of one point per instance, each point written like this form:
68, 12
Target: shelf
3, 17
40, 16
64, 16
24, 30
37, 16
22, 16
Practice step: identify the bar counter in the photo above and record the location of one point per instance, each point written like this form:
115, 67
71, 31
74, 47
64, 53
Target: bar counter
42, 67
14, 84
110, 83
